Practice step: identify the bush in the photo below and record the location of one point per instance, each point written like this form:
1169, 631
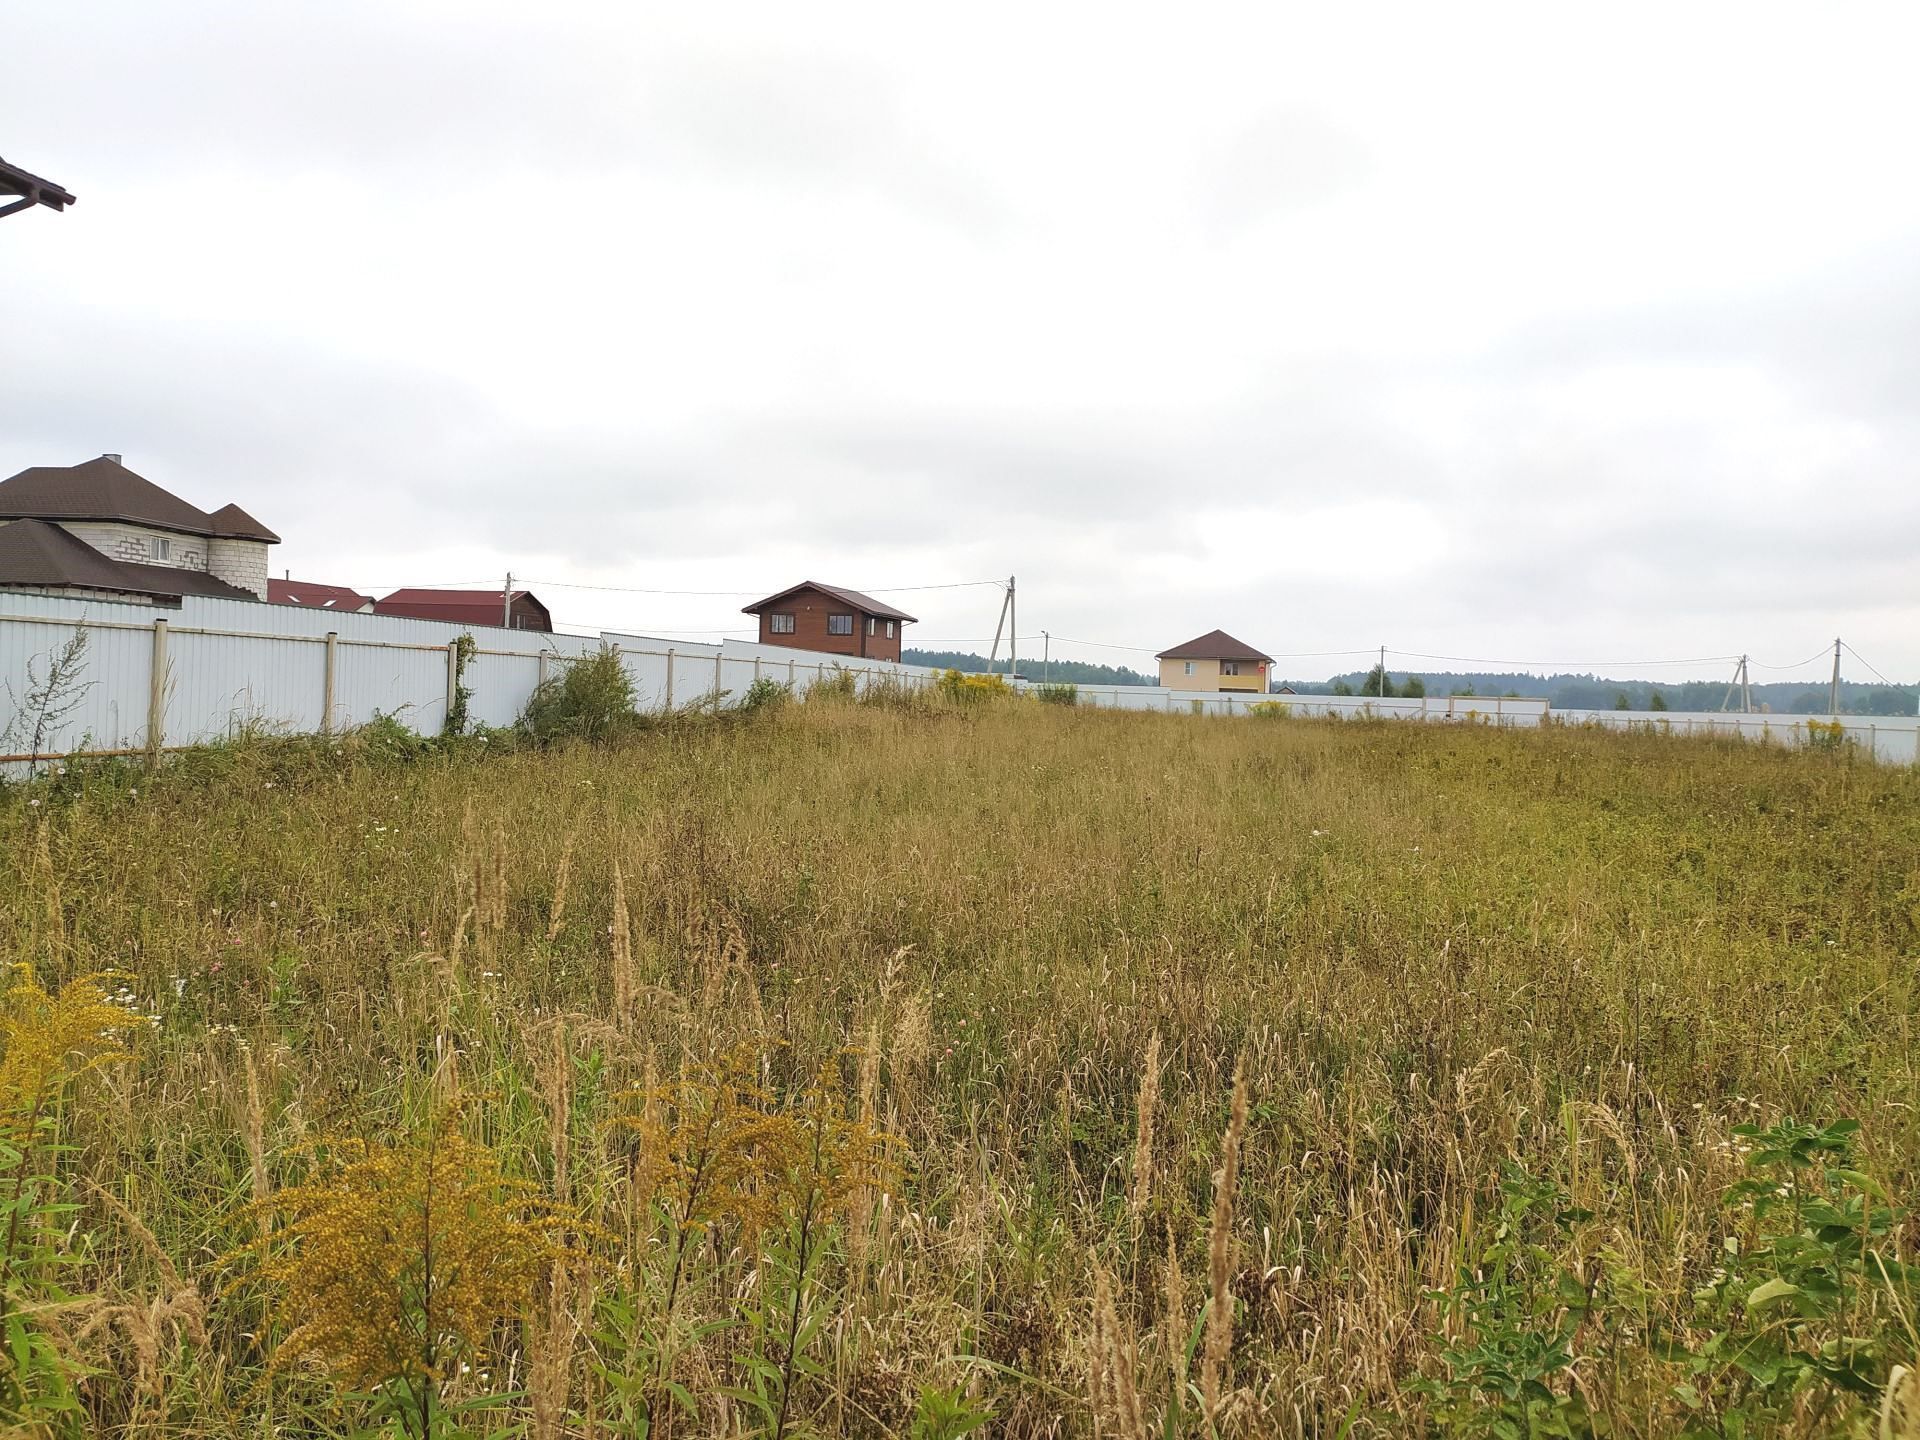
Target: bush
973, 689
838, 687
1056, 694
592, 698
764, 694
1270, 709
1826, 735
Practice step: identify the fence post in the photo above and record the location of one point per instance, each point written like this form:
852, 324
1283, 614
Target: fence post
453, 680
157, 694
327, 683
541, 678
718, 678
669, 677
756, 669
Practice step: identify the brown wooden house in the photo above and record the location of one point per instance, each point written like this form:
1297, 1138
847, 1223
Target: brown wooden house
812, 616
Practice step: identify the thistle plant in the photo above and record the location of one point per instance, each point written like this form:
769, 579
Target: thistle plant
393, 1264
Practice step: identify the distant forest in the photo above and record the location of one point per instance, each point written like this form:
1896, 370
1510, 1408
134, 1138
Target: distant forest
1061, 672
1563, 692
1594, 692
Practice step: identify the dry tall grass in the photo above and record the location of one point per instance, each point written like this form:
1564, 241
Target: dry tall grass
1036, 942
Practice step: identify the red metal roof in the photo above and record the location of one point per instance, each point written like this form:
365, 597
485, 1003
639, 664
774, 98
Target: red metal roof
459, 607
316, 596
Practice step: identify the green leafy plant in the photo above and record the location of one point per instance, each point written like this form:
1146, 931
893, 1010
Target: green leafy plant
592, 698
1801, 1308
464, 649
1518, 1310
838, 686
1057, 694
945, 1414
764, 694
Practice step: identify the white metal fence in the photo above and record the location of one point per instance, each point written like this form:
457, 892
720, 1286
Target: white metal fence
162, 678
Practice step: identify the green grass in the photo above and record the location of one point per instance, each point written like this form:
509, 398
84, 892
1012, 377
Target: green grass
1438, 951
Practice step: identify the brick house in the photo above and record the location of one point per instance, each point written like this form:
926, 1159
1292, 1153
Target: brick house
829, 618
1214, 661
468, 607
99, 530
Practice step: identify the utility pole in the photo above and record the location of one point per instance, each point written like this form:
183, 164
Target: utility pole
1381, 688
1046, 657
1006, 604
1746, 689
1013, 635
1833, 694
506, 603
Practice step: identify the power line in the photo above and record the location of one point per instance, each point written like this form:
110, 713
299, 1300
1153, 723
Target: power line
1819, 654
734, 594
1864, 661
1550, 664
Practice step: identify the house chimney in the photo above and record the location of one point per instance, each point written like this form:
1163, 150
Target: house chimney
113, 457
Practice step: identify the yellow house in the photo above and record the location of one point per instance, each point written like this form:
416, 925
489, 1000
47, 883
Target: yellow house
1215, 661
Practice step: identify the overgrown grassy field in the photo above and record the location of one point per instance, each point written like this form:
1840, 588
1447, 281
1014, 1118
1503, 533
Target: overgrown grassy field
870, 1070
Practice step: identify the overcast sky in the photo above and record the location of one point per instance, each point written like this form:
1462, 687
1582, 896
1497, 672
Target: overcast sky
1472, 332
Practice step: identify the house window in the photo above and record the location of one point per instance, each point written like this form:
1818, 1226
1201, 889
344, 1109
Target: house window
780, 624
873, 626
1229, 667
161, 547
1189, 667
839, 624
889, 629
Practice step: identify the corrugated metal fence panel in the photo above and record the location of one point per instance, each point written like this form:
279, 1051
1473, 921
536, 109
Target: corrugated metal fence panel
110, 709
1894, 739
219, 686
407, 683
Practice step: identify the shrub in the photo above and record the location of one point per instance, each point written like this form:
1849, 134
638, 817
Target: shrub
1826, 735
967, 689
764, 694
1270, 710
836, 687
592, 698
1057, 694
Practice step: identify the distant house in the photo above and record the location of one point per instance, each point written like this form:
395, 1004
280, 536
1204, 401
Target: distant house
468, 607
1214, 661
830, 618
99, 530
314, 596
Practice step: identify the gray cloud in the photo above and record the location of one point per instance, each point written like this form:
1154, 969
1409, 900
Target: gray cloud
1235, 326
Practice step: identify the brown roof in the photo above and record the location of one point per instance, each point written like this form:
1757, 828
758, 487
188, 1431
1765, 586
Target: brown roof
32, 189
104, 489
32, 552
316, 596
1214, 645
865, 604
456, 607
